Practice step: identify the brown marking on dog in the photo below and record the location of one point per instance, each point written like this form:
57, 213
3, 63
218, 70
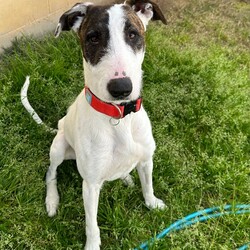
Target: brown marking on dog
94, 33
134, 27
139, 5
134, 19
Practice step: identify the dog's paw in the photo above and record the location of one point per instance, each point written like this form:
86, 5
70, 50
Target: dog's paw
51, 205
155, 203
51, 209
92, 246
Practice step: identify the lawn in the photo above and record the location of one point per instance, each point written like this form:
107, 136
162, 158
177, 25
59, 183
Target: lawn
197, 95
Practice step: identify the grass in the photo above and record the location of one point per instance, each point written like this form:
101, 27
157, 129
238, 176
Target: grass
197, 94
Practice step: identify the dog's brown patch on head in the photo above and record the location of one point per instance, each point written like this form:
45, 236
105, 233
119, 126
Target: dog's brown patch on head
134, 29
94, 33
134, 19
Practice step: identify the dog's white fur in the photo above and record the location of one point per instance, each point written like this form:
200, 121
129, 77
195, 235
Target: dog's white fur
104, 152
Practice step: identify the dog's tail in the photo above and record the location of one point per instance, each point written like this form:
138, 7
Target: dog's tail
29, 108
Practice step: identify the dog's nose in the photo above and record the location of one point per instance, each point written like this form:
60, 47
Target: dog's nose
120, 87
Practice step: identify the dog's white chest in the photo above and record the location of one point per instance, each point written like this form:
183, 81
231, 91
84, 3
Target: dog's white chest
125, 156
105, 152
119, 151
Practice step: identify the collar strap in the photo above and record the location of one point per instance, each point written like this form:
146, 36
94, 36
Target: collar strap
111, 109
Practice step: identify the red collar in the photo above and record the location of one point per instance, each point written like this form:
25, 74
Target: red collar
111, 109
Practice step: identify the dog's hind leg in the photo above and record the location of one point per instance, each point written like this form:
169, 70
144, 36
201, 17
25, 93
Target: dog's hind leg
145, 173
59, 151
128, 181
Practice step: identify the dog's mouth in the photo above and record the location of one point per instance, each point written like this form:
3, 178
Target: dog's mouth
119, 100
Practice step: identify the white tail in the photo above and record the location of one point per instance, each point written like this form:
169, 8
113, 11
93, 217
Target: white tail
29, 108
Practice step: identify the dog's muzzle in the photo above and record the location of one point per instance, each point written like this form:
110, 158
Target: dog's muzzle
120, 88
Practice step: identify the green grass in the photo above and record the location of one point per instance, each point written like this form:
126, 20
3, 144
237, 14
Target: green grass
197, 94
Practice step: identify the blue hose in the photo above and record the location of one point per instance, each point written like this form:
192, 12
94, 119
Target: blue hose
200, 216
244, 247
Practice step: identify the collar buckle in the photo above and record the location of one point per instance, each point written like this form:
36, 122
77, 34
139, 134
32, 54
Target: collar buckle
132, 106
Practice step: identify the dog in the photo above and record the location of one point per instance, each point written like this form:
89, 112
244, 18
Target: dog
106, 130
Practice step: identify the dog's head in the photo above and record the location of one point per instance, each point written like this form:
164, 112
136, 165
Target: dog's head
113, 43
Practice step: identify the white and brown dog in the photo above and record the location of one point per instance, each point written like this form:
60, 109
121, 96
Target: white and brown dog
106, 129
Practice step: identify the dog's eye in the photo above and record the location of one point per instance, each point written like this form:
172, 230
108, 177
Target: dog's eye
93, 37
132, 35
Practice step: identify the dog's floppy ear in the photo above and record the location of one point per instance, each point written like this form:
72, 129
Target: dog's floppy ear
146, 10
72, 18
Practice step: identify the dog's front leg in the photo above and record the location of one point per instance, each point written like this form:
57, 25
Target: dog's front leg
91, 194
145, 173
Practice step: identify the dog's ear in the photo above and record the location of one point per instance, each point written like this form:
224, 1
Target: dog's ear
72, 19
146, 10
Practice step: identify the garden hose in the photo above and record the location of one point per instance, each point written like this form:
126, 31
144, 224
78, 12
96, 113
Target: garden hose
200, 216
